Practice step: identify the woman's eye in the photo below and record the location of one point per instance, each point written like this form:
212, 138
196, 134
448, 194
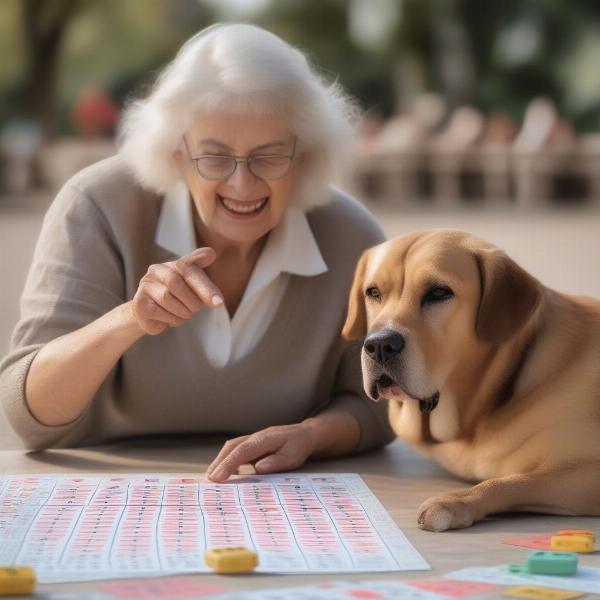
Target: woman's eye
269, 161
215, 161
374, 293
437, 294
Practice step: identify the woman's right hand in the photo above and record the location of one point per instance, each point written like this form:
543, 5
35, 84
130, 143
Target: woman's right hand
170, 293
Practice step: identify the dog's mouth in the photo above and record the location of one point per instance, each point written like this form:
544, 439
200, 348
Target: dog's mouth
385, 386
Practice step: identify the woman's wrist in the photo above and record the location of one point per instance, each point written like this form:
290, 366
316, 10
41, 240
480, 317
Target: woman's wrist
334, 432
126, 325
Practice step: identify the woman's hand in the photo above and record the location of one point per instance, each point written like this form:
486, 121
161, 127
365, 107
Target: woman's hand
286, 447
170, 293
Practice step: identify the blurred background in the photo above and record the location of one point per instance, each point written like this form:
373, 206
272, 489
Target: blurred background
482, 115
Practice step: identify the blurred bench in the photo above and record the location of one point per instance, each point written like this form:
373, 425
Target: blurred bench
476, 157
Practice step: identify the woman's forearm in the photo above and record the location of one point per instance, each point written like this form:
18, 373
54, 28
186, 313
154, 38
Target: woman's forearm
337, 432
67, 372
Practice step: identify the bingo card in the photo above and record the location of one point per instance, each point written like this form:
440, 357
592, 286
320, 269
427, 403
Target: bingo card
87, 527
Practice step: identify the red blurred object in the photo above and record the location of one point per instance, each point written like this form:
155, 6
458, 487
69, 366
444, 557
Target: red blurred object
95, 114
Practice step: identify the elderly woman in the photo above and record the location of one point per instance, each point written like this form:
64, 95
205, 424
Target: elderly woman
197, 281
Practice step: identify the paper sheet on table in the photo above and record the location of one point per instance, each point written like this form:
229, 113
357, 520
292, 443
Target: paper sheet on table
587, 579
341, 590
161, 588
89, 527
335, 590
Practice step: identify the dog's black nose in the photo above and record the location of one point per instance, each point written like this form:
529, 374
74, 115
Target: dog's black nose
383, 345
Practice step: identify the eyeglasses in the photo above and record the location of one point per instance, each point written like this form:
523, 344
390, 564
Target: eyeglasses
219, 167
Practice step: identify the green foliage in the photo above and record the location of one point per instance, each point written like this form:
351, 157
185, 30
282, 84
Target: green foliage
516, 49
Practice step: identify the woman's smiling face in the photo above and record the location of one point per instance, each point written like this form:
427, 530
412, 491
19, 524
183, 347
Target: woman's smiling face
242, 208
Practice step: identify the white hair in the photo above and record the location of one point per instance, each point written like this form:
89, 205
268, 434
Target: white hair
240, 67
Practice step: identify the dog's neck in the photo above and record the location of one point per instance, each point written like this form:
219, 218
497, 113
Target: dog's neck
496, 385
496, 378
510, 373
507, 389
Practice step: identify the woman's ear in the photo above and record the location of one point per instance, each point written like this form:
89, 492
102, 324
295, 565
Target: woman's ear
179, 162
509, 296
177, 157
356, 321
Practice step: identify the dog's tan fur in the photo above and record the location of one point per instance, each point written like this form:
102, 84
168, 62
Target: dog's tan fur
516, 365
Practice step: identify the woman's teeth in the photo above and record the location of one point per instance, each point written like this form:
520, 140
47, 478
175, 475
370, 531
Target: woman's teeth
243, 207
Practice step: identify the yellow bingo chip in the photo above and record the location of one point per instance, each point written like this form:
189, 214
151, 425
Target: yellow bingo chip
584, 532
534, 592
572, 543
16, 581
231, 560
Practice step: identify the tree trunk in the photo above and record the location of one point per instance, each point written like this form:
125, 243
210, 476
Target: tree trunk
45, 22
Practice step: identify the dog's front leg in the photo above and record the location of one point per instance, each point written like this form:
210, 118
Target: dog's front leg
571, 490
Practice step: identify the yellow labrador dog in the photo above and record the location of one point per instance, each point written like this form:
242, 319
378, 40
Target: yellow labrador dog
487, 371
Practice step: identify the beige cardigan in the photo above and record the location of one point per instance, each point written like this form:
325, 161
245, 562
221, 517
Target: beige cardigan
97, 241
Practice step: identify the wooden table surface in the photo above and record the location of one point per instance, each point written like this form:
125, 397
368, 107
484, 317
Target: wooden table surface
400, 479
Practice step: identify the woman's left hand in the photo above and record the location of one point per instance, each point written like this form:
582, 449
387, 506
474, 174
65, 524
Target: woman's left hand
275, 449
286, 447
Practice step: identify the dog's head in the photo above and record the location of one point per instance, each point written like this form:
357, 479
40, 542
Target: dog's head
430, 305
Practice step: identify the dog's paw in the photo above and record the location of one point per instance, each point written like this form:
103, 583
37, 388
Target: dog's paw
444, 512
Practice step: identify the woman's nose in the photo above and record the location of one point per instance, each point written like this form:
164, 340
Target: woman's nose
242, 179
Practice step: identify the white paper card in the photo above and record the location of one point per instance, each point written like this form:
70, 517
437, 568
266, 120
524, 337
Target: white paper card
587, 579
88, 527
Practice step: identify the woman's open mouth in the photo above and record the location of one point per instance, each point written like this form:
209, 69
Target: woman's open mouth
242, 209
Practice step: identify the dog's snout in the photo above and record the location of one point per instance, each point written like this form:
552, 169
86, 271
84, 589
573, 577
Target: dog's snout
384, 345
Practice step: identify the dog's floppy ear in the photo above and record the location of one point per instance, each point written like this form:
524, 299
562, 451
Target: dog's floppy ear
356, 320
509, 296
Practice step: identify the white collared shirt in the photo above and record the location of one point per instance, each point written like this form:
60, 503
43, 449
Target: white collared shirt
291, 249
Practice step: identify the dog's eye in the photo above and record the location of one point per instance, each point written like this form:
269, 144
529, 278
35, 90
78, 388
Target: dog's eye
437, 294
374, 293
